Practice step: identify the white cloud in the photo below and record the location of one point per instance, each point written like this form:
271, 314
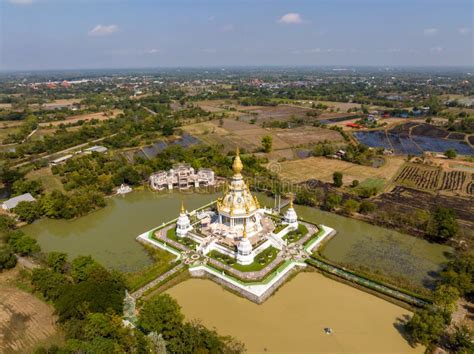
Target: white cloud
437, 49
464, 30
228, 28
153, 51
291, 18
103, 30
430, 31
20, 2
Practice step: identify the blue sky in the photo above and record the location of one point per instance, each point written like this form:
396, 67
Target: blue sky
71, 34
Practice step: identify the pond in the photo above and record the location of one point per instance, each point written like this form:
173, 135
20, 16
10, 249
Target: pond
361, 244
293, 320
109, 234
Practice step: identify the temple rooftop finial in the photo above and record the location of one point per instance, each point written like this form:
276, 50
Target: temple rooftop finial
237, 165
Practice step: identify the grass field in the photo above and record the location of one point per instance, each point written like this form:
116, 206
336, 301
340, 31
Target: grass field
47, 179
322, 169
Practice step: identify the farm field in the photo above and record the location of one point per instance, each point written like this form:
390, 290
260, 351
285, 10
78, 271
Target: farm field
322, 168
25, 321
434, 178
84, 117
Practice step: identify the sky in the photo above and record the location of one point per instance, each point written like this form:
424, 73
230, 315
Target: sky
89, 34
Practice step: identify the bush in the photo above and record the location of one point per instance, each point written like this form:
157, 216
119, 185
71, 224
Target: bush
7, 258
366, 207
22, 244
337, 178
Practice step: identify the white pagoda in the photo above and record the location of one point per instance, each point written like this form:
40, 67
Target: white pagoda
290, 216
183, 224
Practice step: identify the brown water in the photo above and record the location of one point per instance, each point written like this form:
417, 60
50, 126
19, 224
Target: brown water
109, 234
293, 320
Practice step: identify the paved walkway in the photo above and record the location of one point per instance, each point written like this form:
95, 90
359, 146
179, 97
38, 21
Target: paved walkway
139, 293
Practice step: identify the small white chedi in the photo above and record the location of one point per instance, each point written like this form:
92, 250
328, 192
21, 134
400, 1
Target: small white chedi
239, 227
183, 225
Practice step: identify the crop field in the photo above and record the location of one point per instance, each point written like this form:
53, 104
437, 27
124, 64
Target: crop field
419, 177
25, 321
413, 138
431, 178
280, 113
322, 168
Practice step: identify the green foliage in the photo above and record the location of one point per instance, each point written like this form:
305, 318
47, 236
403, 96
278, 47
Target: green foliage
459, 274
445, 297
337, 179
57, 261
442, 224
450, 154
355, 183
102, 292
22, 244
350, 206
332, 201
267, 142
461, 340
305, 197
7, 258
323, 149
28, 211
7, 223
426, 326
49, 283
82, 267
22, 186
162, 314
366, 207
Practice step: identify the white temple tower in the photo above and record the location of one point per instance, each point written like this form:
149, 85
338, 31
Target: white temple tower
183, 225
244, 249
290, 216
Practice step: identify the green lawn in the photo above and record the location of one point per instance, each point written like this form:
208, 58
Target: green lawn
261, 260
295, 235
186, 241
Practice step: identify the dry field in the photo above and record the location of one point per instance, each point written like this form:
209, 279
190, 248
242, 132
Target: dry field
322, 168
25, 321
49, 181
85, 117
235, 133
448, 178
280, 113
64, 102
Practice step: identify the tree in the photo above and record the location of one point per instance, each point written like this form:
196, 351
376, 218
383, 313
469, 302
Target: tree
22, 244
28, 211
366, 207
27, 186
82, 267
461, 340
350, 206
48, 282
305, 197
57, 261
450, 154
459, 273
7, 258
426, 326
445, 297
162, 314
267, 142
355, 183
337, 178
442, 224
333, 201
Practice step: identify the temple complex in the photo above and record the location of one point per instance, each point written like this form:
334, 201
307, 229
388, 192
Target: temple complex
238, 227
182, 176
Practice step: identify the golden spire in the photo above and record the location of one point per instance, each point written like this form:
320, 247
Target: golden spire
237, 164
182, 208
244, 234
291, 200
